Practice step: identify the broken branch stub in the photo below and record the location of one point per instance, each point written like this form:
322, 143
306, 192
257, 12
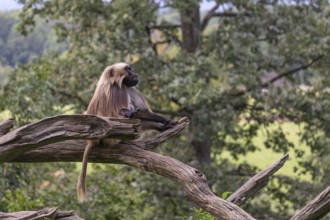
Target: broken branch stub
256, 183
6, 125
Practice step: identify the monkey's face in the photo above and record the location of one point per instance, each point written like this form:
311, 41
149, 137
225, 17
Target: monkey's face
131, 78
121, 74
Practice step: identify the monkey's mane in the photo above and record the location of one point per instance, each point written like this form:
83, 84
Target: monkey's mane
110, 95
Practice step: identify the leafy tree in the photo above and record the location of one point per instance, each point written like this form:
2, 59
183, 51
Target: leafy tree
16, 48
235, 69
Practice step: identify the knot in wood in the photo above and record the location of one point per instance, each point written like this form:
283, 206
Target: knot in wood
199, 173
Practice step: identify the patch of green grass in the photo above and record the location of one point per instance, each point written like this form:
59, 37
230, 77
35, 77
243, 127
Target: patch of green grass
5, 115
264, 157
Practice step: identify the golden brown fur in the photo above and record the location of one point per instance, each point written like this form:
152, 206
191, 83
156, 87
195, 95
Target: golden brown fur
115, 92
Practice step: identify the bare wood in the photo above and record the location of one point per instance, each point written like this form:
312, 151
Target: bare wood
132, 153
64, 127
257, 182
193, 181
52, 213
72, 150
316, 209
6, 125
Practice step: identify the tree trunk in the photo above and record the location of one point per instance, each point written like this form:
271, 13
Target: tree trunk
191, 34
191, 28
203, 149
200, 138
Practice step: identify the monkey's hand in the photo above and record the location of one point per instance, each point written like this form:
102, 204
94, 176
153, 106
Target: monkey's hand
169, 124
126, 112
129, 113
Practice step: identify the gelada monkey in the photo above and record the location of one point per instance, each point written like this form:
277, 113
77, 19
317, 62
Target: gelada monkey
115, 96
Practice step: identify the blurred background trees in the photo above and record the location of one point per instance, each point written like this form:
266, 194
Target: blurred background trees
252, 76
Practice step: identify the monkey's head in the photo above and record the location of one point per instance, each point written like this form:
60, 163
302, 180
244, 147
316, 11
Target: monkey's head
121, 74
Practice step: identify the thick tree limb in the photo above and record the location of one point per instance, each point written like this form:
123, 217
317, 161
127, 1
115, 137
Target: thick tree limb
6, 125
132, 153
64, 127
48, 213
316, 209
257, 182
281, 75
212, 13
208, 16
160, 27
193, 181
290, 72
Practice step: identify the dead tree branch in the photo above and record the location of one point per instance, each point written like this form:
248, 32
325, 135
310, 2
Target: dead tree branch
257, 182
316, 209
6, 125
64, 127
52, 213
132, 153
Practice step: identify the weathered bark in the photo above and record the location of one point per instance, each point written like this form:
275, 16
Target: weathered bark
64, 127
49, 213
316, 209
132, 153
193, 181
6, 125
257, 182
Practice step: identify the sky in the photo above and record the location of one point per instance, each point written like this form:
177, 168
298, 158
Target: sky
7, 5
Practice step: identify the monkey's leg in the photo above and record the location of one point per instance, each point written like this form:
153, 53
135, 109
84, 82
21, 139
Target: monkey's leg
127, 113
157, 122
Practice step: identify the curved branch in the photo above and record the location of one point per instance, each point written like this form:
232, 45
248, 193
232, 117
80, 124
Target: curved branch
133, 153
193, 181
210, 14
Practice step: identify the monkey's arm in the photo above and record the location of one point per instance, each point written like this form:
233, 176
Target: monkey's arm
146, 115
143, 112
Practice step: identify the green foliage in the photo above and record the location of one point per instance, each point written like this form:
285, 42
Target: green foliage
16, 48
200, 214
224, 87
225, 195
26, 189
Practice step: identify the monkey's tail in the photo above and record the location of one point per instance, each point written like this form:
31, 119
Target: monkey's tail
81, 184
